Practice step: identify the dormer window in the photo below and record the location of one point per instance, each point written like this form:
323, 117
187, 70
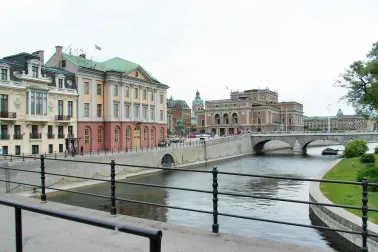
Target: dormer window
34, 71
60, 83
4, 74
136, 74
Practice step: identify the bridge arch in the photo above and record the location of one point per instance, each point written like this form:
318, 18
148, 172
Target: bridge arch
259, 146
304, 146
167, 161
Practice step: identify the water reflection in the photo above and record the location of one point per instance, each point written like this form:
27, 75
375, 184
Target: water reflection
274, 163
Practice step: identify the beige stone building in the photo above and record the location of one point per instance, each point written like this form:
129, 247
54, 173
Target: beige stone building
253, 110
38, 106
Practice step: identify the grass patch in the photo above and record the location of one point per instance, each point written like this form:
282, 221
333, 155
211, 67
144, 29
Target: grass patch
349, 194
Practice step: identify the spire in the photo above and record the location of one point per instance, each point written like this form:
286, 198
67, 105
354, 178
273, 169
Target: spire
197, 94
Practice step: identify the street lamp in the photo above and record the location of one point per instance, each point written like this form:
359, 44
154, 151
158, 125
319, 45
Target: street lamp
329, 118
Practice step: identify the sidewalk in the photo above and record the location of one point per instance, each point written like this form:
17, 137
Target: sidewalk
44, 233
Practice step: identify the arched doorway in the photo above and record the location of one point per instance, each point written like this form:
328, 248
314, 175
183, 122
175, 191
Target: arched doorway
137, 137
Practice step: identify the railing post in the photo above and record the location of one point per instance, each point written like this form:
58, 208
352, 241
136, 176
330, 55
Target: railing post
43, 193
98, 151
18, 226
113, 209
364, 247
90, 152
215, 201
155, 244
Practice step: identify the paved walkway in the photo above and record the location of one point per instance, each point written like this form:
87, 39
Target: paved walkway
44, 233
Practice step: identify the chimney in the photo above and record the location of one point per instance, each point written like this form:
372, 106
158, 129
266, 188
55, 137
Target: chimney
41, 55
59, 54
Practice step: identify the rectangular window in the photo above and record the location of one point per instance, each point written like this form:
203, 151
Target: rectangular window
161, 99
127, 92
35, 72
35, 149
115, 90
161, 115
39, 103
45, 104
115, 109
70, 130
99, 89
32, 103
60, 148
144, 112
86, 109
51, 150
127, 110
144, 94
70, 108
4, 105
152, 113
60, 108
136, 111
152, 96
99, 110
60, 132
4, 132
17, 132
86, 87
60, 83
5, 150
50, 132
4, 74
136, 93
17, 150
99, 135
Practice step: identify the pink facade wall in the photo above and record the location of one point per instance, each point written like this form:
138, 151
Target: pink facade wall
108, 135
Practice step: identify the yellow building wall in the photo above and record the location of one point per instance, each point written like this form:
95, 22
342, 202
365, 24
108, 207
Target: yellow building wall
140, 75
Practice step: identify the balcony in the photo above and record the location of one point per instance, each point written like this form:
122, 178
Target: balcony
17, 136
4, 137
70, 135
9, 115
62, 118
60, 136
50, 136
35, 136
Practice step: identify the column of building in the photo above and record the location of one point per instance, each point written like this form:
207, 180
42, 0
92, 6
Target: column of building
93, 100
131, 96
149, 105
141, 106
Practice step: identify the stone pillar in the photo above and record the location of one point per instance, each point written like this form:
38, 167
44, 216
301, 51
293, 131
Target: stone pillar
110, 99
165, 107
122, 113
93, 100
157, 118
131, 94
141, 105
297, 149
149, 104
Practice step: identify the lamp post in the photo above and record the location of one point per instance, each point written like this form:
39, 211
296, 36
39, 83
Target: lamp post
329, 118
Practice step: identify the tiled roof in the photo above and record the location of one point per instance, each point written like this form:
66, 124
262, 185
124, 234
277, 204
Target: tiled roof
115, 64
181, 103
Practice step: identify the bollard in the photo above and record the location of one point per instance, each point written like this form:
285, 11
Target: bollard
118, 149
55, 154
215, 228
105, 150
112, 151
90, 152
11, 157
364, 247
43, 193
113, 209
23, 156
98, 151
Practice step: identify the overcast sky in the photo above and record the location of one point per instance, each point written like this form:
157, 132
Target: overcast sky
296, 47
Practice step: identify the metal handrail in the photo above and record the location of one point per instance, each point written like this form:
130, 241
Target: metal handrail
215, 226
153, 235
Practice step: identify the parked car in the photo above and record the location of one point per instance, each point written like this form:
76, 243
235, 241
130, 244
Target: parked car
162, 143
191, 136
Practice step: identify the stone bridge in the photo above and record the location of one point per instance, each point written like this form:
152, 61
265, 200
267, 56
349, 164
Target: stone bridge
299, 141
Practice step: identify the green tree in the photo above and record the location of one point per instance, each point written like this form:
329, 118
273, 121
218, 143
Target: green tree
361, 81
355, 148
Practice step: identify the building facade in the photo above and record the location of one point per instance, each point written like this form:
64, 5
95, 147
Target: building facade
120, 105
338, 122
38, 106
197, 104
179, 116
254, 110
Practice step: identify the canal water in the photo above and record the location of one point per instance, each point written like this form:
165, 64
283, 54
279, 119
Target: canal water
273, 163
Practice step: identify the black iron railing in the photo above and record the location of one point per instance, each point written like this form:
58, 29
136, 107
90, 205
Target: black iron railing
35, 136
214, 192
50, 136
4, 136
153, 235
8, 115
61, 135
17, 136
62, 117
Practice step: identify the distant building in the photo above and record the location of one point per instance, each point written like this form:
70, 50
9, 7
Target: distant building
338, 122
179, 116
37, 106
197, 104
255, 110
121, 105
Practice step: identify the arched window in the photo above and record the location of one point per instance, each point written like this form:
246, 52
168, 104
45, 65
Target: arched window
116, 134
217, 119
145, 133
153, 134
127, 135
99, 135
235, 118
225, 118
161, 134
87, 132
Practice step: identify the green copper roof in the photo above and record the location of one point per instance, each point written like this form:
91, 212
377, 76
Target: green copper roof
198, 99
181, 103
115, 64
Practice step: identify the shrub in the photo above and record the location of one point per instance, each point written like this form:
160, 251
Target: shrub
367, 158
372, 176
355, 148
376, 150
369, 165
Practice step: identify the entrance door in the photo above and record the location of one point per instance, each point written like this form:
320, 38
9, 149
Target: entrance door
137, 137
221, 131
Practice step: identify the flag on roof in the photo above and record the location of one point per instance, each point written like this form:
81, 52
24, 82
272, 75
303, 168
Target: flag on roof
98, 48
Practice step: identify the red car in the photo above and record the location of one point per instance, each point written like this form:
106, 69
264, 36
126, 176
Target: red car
191, 136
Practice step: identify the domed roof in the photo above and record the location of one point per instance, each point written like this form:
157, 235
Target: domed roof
339, 113
198, 99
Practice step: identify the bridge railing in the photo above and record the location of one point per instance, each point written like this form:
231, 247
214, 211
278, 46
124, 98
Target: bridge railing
314, 132
44, 171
